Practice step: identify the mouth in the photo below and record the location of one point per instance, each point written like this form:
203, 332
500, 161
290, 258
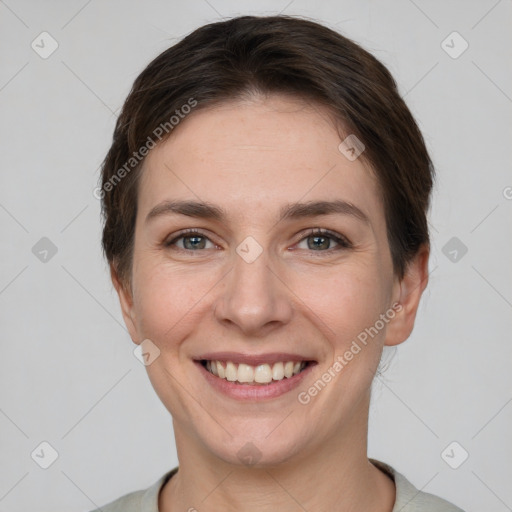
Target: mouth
260, 375
254, 377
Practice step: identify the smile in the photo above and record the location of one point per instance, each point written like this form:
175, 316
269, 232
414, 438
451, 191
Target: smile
262, 374
254, 377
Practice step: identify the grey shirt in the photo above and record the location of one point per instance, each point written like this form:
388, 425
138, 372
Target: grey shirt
408, 498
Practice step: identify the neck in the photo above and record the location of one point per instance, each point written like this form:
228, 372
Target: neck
335, 475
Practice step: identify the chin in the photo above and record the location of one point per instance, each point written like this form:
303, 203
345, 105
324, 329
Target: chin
249, 454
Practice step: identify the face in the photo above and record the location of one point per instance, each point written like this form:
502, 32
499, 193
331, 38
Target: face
273, 277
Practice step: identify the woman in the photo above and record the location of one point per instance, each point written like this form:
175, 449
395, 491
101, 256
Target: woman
265, 202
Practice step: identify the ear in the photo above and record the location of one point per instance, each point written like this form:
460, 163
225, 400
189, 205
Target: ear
126, 301
408, 292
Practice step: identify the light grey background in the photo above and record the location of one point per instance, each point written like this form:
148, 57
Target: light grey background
68, 375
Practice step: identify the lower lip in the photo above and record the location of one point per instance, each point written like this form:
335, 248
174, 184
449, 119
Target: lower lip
256, 392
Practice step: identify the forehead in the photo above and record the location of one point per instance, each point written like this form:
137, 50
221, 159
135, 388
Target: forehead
251, 156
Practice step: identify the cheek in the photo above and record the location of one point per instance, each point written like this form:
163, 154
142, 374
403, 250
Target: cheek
172, 303
164, 301
346, 300
349, 304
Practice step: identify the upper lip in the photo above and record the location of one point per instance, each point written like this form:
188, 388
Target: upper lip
253, 359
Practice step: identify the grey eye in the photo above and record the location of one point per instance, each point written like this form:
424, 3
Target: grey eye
317, 242
191, 242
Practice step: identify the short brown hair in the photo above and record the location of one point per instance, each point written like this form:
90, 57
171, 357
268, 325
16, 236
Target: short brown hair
272, 54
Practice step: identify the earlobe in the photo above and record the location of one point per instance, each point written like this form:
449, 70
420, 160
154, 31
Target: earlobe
411, 288
126, 302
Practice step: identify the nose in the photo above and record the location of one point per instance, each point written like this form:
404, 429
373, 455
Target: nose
253, 299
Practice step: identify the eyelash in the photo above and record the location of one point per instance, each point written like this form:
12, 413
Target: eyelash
343, 242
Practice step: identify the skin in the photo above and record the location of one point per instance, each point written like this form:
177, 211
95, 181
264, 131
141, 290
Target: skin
251, 157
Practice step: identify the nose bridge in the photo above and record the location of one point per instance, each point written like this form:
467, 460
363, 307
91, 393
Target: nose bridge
253, 297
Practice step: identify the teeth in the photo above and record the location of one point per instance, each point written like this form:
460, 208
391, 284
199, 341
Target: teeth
261, 374
278, 371
245, 373
231, 372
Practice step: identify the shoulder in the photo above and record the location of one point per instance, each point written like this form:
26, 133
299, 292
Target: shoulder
145, 500
127, 503
410, 499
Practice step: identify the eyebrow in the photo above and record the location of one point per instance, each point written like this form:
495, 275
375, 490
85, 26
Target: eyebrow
291, 211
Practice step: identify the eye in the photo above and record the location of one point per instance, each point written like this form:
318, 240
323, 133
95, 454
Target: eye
190, 240
322, 240
319, 240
